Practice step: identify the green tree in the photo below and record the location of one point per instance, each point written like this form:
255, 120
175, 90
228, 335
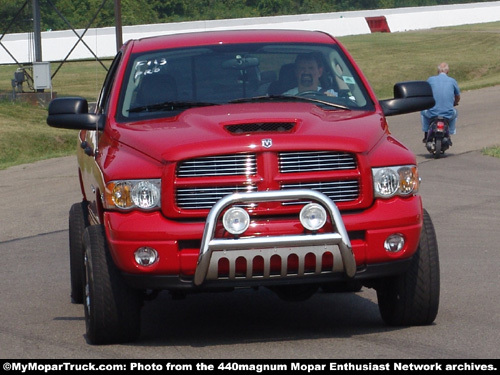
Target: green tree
137, 12
16, 16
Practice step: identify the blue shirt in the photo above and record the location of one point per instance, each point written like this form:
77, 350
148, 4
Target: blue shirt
444, 90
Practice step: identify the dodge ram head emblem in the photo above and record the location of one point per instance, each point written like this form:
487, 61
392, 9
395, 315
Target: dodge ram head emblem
267, 142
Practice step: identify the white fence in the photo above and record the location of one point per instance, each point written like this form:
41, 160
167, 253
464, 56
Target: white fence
57, 44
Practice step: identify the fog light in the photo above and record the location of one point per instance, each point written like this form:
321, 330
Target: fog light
313, 216
236, 220
146, 256
394, 243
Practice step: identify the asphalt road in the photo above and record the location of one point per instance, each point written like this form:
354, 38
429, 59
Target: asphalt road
460, 191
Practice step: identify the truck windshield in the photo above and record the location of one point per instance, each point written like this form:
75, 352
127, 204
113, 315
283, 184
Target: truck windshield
165, 82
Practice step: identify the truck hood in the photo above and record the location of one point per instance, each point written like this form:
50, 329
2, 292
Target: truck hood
234, 128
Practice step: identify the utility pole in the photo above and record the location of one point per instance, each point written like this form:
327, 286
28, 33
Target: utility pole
118, 24
37, 30
41, 70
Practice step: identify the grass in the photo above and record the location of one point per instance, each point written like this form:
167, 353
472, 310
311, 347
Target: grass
81, 78
492, 151
25, 136
473, 52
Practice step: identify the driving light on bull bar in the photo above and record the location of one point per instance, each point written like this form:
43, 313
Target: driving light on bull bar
146, 256
313, 216
394, 243
236, 220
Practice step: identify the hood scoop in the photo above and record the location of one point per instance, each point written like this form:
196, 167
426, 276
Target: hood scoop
260, 127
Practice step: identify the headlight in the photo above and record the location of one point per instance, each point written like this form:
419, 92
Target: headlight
399, 180
408, 180
313, 216
129, 194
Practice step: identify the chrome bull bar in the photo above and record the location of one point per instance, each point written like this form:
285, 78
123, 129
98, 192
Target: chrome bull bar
212, 248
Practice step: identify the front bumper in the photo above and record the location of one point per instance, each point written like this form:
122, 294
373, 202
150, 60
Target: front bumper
176, 283
194, 266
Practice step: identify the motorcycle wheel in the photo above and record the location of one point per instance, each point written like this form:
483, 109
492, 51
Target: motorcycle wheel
437, 152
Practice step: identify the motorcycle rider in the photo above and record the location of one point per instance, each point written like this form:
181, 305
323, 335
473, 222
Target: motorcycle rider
447, 95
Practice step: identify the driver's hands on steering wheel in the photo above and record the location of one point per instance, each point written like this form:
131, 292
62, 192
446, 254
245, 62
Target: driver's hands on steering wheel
313, 93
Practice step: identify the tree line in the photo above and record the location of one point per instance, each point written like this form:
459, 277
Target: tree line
17, 15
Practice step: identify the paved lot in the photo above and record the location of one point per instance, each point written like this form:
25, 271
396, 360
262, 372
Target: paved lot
461, 192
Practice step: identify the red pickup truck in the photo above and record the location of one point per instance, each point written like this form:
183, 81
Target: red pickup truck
249, 158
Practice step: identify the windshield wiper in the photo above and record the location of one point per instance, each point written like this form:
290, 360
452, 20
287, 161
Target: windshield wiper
288, 98
170, 106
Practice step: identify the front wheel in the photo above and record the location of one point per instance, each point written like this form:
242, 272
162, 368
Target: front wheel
412, 298
112, 308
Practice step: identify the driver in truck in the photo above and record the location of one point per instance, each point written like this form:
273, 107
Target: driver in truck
308, 71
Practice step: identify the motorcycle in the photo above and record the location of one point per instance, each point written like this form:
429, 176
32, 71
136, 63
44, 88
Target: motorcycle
438, 137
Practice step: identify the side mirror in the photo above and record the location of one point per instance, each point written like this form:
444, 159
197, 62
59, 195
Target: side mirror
73, 113
409, 97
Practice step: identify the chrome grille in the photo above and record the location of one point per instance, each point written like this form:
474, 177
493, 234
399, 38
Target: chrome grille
220, 165
197, 198
309, 161
239, 167
338, 191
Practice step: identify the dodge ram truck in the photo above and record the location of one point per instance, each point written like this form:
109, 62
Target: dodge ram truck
214, 161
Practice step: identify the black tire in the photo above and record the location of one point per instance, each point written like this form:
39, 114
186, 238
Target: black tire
77, 223
112, 309
412, 298
437, 153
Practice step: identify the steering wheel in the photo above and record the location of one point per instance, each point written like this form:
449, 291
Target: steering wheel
311, 94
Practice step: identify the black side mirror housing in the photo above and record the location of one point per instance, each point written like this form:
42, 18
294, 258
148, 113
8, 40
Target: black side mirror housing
411, 96
73, 113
